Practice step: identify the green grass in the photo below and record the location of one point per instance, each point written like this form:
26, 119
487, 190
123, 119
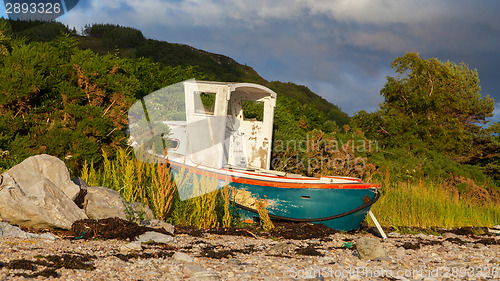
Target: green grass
427, 204
153, 185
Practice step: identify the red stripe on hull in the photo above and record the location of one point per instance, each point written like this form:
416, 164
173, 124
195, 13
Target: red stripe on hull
243, 180
307, 185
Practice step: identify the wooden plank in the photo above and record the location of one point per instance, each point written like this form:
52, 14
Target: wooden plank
379, 228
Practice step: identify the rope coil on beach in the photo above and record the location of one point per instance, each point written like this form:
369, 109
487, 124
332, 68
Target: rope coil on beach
365, 205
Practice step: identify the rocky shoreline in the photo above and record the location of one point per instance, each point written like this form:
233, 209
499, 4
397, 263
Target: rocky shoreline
204, 255
103, 237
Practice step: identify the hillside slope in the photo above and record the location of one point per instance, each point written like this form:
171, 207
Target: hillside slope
130, 42
110, 38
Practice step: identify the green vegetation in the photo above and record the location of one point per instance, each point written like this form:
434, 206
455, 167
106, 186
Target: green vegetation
38, 30
430, 104
153, 185
68, 95
115, 36
70, 103
435, 106
430, 204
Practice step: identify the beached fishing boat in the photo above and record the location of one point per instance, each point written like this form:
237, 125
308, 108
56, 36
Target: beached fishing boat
223, 131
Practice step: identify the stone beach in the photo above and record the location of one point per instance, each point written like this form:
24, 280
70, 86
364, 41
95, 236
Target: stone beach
207, 256
101, 236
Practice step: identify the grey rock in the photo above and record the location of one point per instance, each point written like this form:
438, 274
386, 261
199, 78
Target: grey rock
447, 235
422, 236
131, 247
36, 168
205, 275
139, 212
189, 269
234, 262
48, 236
442, 249
178, 256
103, 203
369, 248
80, 182
158, 224
281, 247
10, 231
394, 234
495, 230
37, 204
156, 237
447, 244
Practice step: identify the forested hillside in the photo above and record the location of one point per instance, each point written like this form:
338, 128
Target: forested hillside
130, 42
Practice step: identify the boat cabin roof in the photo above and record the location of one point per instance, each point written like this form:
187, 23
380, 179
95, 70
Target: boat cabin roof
250, 88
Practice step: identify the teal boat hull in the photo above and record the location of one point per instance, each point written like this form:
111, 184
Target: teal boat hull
341, 204
311, 203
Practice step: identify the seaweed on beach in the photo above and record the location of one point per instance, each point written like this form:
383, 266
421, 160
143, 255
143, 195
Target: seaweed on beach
49, 264
110, 228
285, 230
156, 255
310, 250
210, 251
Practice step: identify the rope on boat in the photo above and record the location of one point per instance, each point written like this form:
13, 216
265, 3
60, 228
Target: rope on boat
365, 205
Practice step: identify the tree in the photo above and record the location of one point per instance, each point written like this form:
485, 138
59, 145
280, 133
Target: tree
430, 104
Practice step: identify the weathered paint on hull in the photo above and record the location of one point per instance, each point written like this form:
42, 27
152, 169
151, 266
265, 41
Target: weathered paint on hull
307, 203
304, 201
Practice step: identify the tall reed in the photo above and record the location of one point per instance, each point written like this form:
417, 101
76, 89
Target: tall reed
429, 204
162, 191
227, 193
265, 221
135, 180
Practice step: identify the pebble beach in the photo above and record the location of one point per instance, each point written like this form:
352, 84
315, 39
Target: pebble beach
446, 256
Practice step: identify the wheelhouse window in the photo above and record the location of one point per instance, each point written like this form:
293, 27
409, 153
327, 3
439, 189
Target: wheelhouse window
253, 110
204, 103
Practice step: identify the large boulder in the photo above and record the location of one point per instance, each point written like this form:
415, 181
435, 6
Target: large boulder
38, 204
39, 193
103, 203
36, 168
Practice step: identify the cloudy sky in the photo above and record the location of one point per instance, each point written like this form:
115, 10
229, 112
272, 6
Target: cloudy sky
340, 49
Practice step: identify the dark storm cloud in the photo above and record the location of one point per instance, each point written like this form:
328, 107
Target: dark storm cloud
340, 49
